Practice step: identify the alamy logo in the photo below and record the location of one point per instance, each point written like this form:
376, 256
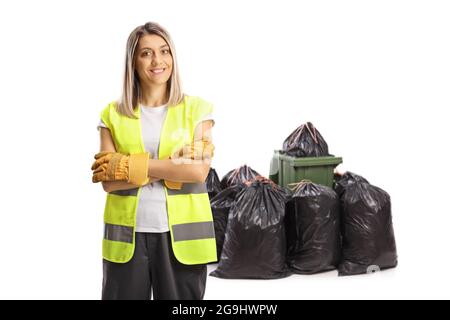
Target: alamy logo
373, 268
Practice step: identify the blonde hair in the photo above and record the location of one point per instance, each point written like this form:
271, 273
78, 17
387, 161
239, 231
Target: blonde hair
131, 87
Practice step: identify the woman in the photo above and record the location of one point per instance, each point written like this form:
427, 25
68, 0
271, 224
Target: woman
155, 156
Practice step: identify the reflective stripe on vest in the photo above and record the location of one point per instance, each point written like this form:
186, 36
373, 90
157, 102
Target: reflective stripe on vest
129, 192
193, 231
118, 233
194, 188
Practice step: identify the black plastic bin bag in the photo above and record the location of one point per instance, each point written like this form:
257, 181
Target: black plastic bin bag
312, 227
367, 230
255, 239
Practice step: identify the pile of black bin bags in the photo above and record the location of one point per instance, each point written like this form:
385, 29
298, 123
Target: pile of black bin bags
264, 231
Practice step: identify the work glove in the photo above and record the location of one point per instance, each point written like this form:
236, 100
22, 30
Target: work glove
115, 166
195, 151
198, 150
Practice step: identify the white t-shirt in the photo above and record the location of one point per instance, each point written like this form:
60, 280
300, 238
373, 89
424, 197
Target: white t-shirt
151, 213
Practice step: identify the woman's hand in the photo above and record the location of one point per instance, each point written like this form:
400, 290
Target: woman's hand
115, 166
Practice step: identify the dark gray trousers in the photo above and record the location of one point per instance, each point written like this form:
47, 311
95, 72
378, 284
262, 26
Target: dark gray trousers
153, 268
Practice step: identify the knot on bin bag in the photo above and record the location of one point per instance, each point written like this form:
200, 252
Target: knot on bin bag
262, 180
238, 175
298, 185
305, 141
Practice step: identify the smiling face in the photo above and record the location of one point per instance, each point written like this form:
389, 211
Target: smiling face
153, 60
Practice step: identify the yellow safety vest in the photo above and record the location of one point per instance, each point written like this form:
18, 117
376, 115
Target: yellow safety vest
189, 211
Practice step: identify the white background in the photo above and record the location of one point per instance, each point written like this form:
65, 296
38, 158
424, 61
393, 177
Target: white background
373, 76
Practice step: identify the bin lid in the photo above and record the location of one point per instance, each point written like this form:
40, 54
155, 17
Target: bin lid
309, 161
